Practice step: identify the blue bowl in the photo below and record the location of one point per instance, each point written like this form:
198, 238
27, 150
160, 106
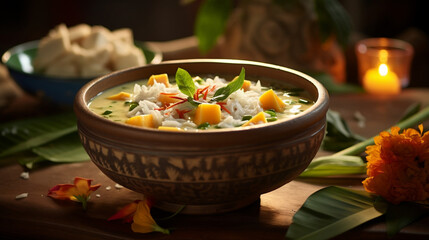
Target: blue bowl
61, 91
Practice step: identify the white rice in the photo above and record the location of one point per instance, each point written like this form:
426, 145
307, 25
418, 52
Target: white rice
240, 103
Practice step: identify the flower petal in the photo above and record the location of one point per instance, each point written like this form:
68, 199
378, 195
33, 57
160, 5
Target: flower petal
79, 191
143, 221
84, 185
62, 191
126, 212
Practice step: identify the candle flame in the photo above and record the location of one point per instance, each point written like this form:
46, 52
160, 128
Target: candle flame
383, 69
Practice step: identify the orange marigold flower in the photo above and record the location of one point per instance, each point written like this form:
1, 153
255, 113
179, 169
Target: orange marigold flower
80, 191
139, 213
398, 165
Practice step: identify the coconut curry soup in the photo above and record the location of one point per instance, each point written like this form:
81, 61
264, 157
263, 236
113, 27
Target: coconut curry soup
194, 103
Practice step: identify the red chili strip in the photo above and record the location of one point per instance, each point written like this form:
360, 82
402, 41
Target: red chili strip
182, 113
180, 98
175, 104
221, 104
196, 94
205, 91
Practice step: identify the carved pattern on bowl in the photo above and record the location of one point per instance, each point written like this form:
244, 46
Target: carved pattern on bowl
201, 178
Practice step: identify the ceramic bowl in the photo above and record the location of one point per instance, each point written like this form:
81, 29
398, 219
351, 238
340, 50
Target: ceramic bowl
61, 91
209, 171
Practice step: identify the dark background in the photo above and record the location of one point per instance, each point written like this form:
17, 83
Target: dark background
164, 20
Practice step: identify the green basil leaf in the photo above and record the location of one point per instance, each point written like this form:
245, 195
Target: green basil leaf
185, 83
330, 212
224, 92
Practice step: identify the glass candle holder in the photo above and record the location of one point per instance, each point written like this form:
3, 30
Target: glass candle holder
384, 65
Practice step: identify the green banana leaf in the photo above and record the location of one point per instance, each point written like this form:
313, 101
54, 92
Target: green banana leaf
62, 150
25, 134
332, 211
401, 215
335, 165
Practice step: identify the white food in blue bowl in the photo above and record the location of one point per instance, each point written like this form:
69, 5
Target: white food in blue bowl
58, 65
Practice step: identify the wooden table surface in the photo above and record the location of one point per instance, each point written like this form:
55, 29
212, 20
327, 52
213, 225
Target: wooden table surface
40, 217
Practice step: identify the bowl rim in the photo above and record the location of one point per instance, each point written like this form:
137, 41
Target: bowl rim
31, 45
315, 113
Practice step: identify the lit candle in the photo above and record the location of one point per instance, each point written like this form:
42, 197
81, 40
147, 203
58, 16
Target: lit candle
381, 81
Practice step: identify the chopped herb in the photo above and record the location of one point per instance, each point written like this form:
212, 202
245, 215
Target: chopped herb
303, 101
107, 112
204, 126
271, 112
271, 119
133, 105
198, 80
246, 118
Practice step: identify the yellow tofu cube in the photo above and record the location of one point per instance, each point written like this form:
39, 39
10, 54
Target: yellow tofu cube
246, 85
205, 112
167, 98
141, 121
165, 128
257, 119
160, 78
120, 96
270, 100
